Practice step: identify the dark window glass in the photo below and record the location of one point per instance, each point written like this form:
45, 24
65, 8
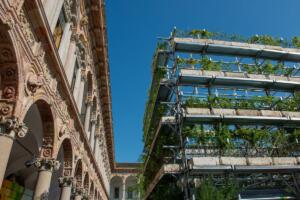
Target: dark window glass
116, 193
76, 68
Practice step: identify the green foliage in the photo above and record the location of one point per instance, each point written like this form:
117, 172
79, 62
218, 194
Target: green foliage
167, 190
223, 138
256, 39
201, 33
194, 102
208, 64
295, 136
139, 187
255, 137
249, 69
162, 46
245, 104
223, 102
255, 102
262, 101
296, 41
279, 68
267, 68
197, 132
158, 153
264, 39
208, 191
159, 73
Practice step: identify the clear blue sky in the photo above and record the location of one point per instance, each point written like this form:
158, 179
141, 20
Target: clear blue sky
133, 28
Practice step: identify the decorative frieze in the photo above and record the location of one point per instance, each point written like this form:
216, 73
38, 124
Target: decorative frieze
26, 29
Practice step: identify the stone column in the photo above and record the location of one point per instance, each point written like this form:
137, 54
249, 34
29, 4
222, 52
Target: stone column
96, 146
9, 130
79, 96
77, 88
123, 189
85, 195
45, 166
65, 42
66, 187
92, 134
78, 194
88, 117
70, 61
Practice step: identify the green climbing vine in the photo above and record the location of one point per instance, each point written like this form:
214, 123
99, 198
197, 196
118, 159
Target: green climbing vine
255, 102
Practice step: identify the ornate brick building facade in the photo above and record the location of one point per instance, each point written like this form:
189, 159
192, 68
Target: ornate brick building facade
56, 138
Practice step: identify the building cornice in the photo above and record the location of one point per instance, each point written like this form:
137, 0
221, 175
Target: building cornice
98, 19
127, 168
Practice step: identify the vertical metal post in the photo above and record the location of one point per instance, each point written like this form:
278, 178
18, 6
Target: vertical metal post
179, 124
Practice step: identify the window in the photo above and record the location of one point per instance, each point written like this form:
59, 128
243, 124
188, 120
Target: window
130, 194
59, 28
76, 68
83, 103
116, 193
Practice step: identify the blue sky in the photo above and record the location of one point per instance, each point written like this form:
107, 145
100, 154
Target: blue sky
133, 28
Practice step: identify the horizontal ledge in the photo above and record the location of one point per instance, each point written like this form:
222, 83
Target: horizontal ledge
193, 77
240, 119
243, 164
240, 115
236, 48
242, 169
